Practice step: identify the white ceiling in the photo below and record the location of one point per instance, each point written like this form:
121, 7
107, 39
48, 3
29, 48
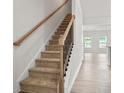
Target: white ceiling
97, 28
100, 10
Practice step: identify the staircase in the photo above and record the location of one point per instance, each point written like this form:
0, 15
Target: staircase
45, 76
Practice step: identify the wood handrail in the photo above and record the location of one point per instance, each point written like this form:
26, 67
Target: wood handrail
63, 37
25, 36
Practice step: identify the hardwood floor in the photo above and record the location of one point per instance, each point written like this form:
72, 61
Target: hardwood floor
94, 75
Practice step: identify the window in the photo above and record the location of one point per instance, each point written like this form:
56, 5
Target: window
103, 42
87, 42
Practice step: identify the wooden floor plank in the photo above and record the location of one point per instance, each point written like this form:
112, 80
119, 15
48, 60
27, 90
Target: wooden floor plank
94, 75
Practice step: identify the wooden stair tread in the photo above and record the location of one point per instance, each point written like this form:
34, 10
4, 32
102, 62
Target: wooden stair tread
45, 70
48, 59
57, 35
54, 40
40, 82
24, 92
51, 51
53, 45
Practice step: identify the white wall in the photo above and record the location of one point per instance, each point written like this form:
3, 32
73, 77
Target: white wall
77, 56
27, 13
96, 11
96, 20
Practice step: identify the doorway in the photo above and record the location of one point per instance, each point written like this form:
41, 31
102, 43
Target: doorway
96, 41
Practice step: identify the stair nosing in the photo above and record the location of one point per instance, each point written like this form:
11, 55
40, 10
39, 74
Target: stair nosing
47, 70
47, 51
50, 59
36, 83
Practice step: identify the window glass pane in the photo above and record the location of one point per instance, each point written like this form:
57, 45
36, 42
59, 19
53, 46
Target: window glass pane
103, 42
87, 42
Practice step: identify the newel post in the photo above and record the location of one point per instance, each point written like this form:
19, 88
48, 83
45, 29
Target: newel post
61, 65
